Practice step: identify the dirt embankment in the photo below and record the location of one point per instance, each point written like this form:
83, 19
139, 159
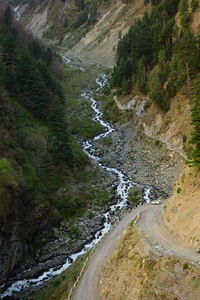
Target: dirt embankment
134, 272
171, 129
183, 211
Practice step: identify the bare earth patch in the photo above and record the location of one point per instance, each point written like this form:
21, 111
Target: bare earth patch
182, 212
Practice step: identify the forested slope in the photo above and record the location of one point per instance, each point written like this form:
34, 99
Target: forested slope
39, 157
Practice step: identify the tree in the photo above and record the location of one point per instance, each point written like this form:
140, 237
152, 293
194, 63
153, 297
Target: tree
35, 49
195, 153
184, 12
141, 76
80, 4
8, 16
66, 23
58, 135
32, 86
9, 60
49, 56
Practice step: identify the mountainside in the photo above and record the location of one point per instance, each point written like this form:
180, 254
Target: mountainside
88, 30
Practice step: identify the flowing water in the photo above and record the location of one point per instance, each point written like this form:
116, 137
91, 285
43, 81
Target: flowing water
17, 13
123, 186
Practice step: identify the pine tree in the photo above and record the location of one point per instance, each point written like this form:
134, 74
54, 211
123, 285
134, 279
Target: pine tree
9, 61
58, 136
32, 86
195, 153
8, 16
80, 4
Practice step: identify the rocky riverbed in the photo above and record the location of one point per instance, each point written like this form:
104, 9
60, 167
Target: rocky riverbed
142, 159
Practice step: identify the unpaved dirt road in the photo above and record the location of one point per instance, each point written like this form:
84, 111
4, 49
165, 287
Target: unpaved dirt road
159, 238
156, 235
88, 285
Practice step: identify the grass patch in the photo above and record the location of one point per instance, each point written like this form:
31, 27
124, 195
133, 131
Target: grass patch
107, 141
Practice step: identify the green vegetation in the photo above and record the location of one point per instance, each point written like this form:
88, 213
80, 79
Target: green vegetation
107, 141
6, 175
131, 154
195, 151
186, 267
79, 110
179, 190
8, 187
158, 143
133, 196
111, 111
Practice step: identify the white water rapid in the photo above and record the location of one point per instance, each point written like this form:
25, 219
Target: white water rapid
124, 184
17, 13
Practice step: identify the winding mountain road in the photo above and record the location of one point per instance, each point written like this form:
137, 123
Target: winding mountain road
156, 235
159, 238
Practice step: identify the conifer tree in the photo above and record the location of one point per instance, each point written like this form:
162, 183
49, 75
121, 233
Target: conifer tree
9, 60
8, 16
195, 153
58, 135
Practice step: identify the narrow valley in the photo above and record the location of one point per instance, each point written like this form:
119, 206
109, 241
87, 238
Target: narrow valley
99, 149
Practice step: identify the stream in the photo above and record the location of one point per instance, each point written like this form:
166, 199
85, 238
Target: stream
123, 186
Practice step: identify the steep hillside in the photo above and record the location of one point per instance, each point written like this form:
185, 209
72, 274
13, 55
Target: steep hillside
182, 212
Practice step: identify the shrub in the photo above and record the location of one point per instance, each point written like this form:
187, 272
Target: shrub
134, 196
179, 190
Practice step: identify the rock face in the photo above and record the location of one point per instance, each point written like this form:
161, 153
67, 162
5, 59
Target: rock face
11, 248
17, 231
